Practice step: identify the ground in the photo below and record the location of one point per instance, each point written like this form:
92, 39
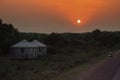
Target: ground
106, 69
58, 67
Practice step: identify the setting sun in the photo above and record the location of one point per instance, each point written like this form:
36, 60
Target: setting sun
78, 21
61, 15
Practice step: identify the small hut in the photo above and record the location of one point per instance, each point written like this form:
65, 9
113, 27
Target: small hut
25, 49
41, 48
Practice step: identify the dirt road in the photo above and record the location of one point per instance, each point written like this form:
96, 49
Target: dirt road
110, 70
106, 69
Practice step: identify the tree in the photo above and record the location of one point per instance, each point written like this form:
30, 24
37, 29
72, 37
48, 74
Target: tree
8, 36
0, 21
55, 39
96, 32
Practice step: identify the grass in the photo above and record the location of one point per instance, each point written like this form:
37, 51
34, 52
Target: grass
49, 66
80, 70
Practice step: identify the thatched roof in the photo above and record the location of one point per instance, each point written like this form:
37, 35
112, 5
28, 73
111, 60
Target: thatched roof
37, 43
25, 44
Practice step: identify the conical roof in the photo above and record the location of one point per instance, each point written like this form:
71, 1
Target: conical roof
38, 44
23, 43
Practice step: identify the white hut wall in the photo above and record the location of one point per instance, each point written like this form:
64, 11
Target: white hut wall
38, 51
31, 53
16, 52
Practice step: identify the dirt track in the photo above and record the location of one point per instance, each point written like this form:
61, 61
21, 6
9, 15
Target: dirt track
106, 69
110, 70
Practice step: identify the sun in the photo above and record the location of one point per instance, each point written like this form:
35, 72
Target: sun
78, 21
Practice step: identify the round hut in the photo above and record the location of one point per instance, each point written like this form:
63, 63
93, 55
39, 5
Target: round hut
41, 48
23, 49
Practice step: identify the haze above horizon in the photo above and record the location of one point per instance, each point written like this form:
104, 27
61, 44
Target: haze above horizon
46, 16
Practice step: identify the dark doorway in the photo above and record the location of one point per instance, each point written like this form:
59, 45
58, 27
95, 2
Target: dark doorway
39, 49
22, 50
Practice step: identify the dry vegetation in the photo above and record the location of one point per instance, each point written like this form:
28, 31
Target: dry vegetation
47, 67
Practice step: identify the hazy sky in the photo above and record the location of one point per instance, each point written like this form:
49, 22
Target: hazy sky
61, 15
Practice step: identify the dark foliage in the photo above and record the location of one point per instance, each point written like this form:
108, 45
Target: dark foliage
9, 35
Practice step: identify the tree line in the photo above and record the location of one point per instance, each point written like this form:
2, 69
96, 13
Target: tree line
9, 35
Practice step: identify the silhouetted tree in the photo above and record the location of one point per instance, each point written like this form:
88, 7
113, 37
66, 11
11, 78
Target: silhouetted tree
55, 39
0, 21
96, 33
96, 36
8, 36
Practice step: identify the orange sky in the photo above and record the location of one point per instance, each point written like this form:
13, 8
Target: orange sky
61, 15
